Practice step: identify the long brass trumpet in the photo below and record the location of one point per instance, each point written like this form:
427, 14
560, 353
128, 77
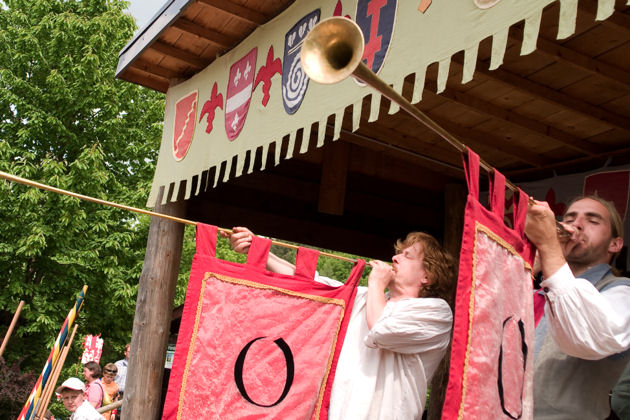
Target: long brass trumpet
333, 51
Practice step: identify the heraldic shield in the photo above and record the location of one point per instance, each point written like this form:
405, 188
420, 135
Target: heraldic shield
294, 79
184, 125
239, 93
491, 367
256, 344
377, 20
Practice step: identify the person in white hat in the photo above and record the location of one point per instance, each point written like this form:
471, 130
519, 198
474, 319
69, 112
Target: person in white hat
72, 392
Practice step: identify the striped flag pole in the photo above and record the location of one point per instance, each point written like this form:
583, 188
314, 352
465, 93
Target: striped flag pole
28, 411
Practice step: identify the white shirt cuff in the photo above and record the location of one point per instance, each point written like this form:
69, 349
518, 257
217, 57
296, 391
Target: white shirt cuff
559, 280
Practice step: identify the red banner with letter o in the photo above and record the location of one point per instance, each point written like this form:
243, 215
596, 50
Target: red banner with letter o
253, 343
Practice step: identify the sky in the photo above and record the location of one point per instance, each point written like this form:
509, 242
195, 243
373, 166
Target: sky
143, 10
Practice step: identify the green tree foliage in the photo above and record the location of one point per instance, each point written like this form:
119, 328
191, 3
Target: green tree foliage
67, 122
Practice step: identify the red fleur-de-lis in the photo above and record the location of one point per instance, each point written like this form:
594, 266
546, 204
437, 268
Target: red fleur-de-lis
558, 208
215, 101
266, 72
338, 9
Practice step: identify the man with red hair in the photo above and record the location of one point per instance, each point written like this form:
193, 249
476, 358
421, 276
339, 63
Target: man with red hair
395, 339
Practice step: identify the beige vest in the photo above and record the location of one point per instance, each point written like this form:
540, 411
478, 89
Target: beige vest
568, 388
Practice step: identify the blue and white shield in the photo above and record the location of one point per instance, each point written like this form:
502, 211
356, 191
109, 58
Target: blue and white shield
376, 18
294, 80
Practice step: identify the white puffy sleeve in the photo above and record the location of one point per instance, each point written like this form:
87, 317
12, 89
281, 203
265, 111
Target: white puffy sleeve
412, 326
584, 322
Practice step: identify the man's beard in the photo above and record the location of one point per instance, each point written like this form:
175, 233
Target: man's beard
582, 255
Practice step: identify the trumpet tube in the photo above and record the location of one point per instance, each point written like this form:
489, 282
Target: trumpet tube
333, 51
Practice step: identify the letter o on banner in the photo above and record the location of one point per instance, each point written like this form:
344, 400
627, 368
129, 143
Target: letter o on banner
240, 361
510, 324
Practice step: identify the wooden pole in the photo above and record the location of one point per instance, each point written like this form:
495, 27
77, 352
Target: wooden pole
5, 340
30, 183
109, 407
454, 206
152, 319
50, 385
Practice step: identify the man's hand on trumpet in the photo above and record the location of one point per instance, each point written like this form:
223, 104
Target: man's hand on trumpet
542, 230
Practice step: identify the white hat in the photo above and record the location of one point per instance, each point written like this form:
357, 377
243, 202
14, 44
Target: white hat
71, 383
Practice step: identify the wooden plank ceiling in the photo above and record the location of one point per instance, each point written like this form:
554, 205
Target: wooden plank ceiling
564, 108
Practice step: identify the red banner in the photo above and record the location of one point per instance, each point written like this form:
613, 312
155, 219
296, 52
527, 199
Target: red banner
253, 343
493, 334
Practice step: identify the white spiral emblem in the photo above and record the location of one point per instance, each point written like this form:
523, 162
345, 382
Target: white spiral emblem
296, 83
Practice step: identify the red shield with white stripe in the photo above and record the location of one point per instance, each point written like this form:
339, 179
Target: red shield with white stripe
184, 124
239, 93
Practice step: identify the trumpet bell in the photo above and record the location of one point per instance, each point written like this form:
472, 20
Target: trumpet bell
332, 50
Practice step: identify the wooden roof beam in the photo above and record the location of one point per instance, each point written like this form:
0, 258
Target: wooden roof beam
617, 21
154, 69
567, 163
399, 152
518, 120
478, 138
236, 11
578, 60
550, 95
145, 79
209, 35
181, 55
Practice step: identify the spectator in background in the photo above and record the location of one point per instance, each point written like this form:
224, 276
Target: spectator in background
111, 388
94, 390
121, 376
72, 392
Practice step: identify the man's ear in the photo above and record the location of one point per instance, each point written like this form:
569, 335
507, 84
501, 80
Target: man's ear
615, 245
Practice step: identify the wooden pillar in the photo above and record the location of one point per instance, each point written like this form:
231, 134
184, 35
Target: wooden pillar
332, 189
154, 307
454, 205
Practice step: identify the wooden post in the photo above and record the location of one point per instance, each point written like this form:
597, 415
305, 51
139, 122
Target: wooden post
152, 319
332, 189
454, 206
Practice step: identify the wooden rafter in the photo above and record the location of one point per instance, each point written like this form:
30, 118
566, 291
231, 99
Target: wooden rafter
618, 21
209, 35
579, 61
239, 12
475, 138
146, 79
380, 145
555, 134
154, 69
550, 95
181, 55
572, 162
